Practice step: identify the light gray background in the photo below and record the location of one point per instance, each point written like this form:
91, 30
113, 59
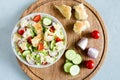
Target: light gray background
10, 12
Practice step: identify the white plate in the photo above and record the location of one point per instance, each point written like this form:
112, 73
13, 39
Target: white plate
16, 28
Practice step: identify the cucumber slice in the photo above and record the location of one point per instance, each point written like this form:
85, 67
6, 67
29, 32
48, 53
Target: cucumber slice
25, 53
77, 59
47, 21
67, 67
74, 70
70, 54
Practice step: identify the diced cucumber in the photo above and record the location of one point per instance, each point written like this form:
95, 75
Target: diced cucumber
77, 59
37, 59
28, 45
70, 54
52, 45
54, 48
30, 48
34, 49
44, 52
47, 21
23, 57
74, 70
27, 52
32, 33
37, 56
67, 67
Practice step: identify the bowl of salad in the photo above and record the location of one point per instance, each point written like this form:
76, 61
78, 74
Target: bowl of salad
38, 40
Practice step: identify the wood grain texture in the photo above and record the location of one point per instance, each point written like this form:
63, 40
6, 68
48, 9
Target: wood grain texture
55, 72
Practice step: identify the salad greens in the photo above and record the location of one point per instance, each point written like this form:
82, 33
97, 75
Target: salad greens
39, 39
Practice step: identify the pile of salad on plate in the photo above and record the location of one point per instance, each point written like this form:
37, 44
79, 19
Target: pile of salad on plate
39, 39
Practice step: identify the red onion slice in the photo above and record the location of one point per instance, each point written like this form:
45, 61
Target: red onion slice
93, 53
83, 43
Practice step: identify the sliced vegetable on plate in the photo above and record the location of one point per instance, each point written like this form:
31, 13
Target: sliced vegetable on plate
47, 21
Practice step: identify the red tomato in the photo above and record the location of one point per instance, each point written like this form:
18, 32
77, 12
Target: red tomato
52, 29
95, 34
58, 39
21, 31
40, 46
37, 18
89, 64
29, 40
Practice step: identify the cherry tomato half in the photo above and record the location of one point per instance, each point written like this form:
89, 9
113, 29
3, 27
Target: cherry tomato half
52, 29
37, 18
58, 39
40, 46
21, 31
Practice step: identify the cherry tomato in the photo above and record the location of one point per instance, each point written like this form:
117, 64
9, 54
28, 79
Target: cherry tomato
29, 40
89, 64
37, 18
52, 29
58, 39
21, 31
95, 34
40, 46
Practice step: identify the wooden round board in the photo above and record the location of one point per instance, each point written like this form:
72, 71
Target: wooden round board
56, 72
